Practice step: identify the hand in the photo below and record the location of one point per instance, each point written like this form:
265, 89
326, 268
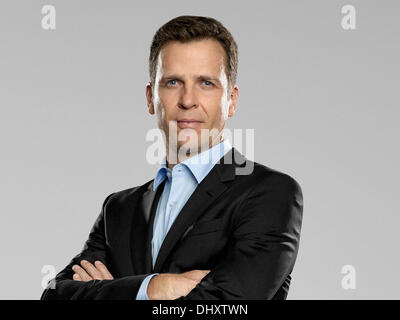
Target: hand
90, 272
170, 286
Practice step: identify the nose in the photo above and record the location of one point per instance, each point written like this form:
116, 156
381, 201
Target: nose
188, 98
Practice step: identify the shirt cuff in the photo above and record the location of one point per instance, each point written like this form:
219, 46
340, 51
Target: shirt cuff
142, 292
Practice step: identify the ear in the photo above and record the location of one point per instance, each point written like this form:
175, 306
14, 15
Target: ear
149, 97
234, 100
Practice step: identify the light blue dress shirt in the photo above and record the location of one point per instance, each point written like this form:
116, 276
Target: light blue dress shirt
183, 179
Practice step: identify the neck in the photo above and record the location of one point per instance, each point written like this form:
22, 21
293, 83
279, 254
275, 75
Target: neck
173, 154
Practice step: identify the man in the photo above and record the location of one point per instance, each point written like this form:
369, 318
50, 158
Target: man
199, 229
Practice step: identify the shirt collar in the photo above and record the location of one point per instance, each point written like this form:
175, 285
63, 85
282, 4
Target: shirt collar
199, 165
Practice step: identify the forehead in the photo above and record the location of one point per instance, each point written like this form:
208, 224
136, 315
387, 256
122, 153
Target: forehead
198, 56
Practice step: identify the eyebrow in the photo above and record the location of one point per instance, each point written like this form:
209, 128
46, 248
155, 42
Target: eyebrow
198, 77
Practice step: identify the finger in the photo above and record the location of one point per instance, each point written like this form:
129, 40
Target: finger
77, 277
103, 270
190, 285
91, 270
82, 273
196, 275
196, 271
185, 287
190, 274
203, 273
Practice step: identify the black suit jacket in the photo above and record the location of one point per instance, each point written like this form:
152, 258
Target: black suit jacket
244, 228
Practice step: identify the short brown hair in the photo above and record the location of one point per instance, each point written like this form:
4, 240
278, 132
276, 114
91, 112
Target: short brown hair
188, 28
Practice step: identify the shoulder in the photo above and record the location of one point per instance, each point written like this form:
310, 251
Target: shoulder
262, 178
126, 195
273, 198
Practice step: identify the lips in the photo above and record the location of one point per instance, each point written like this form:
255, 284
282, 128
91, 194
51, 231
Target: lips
188, 123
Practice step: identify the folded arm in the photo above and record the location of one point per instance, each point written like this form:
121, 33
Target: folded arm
87, 276
263, 246
95, 249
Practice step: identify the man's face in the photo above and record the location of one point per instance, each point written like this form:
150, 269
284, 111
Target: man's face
191, 84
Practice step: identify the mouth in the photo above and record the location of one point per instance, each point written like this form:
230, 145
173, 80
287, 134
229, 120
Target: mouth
188, 123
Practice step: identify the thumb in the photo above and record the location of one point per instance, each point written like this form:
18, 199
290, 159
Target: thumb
196, 275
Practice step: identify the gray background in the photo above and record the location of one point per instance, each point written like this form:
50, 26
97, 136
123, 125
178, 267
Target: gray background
324, 103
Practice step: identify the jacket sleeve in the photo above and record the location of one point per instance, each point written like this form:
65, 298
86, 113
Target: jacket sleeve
63, 287
263, 246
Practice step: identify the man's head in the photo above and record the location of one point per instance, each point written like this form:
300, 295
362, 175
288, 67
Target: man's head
193, 68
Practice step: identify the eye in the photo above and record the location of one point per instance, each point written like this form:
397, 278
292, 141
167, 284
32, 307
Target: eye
208, 83
169, 82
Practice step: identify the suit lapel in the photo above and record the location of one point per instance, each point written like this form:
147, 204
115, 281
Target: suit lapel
122, 225
151, 201
213, 185
139, 228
